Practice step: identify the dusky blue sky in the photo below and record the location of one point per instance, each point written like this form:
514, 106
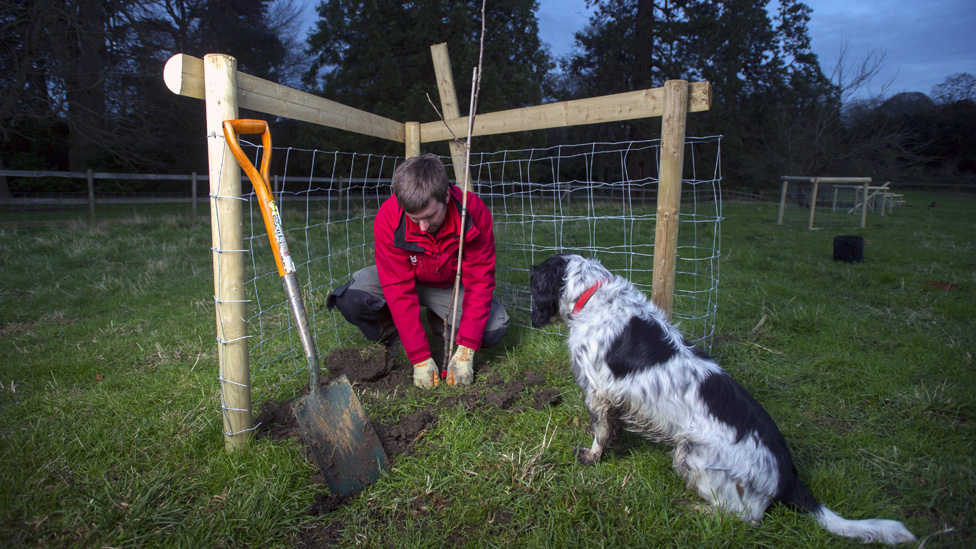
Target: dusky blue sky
922, 41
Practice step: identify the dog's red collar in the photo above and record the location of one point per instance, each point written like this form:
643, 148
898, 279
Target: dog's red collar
581, 302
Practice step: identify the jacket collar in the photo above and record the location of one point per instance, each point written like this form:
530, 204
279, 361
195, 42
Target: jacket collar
408, 235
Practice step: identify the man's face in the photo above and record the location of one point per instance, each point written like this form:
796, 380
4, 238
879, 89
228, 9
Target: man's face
431, 217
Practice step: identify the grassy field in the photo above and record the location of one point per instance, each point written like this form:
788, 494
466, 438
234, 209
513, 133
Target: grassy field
30, 215
111, 431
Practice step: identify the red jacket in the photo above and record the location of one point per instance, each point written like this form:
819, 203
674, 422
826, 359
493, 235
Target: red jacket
405, 256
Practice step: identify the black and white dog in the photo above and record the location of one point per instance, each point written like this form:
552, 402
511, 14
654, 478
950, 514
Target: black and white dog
636, 368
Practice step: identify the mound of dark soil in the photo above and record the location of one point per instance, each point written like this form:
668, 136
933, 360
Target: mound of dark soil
378, 371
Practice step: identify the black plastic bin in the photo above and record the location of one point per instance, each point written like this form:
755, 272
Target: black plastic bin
849, 248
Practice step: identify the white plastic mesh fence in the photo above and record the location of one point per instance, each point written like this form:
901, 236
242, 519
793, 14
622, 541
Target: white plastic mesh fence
598, 200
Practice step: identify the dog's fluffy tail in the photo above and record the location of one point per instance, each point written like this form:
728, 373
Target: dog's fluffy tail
870, 530
880, 530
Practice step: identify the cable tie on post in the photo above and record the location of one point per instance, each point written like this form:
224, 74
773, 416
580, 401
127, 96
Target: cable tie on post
218, 300
241, 431
222, 250
229, 341
241, 198
225, 380
256, 426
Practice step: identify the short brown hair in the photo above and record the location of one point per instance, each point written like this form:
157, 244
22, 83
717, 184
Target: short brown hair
418, 180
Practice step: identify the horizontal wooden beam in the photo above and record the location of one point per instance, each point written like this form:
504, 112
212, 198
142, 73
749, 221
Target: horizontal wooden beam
184, 76
609, 108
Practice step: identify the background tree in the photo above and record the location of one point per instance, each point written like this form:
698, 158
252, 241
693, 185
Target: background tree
764, 74
890, 137
375, 55
37, 56
953, 147
627, 45
84, 85
256, 33
956, 87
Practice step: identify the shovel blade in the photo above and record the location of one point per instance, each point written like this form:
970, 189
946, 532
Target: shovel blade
343, 443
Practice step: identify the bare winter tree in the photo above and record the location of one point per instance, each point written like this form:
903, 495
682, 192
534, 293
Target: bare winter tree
287, 20
847, 135
957, 87
853, 77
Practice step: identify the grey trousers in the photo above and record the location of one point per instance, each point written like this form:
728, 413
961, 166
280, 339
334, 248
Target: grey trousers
362, 304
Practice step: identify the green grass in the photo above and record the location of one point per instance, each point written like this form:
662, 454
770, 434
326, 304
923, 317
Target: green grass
112, 436
26, 216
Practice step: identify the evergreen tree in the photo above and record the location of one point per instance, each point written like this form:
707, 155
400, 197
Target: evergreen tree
86, 88
764, 76
375, 55
162, 28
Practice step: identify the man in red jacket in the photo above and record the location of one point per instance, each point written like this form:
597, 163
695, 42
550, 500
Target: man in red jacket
416, 239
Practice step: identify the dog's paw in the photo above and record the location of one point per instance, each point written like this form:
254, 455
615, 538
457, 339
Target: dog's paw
585, 456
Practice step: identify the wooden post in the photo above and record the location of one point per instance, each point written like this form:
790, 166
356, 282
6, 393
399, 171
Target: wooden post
411, 139
833, 205
813, 202
193, 193
669, 193
449, 105
864, 206
227, 233
91, 197
782, 202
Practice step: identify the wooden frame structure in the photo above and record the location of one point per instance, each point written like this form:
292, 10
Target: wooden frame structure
216, 80
863, 182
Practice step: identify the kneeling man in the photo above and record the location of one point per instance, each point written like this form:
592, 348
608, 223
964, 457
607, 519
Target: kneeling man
416, 237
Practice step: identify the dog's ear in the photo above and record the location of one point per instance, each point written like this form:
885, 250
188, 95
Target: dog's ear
546, 286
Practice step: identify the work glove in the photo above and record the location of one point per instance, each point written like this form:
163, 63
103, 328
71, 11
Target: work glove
425, 374
460, 371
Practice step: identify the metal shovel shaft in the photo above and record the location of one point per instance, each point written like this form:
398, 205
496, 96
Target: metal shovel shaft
297, 305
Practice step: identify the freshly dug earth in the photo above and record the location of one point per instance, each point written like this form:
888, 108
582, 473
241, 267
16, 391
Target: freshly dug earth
374, 369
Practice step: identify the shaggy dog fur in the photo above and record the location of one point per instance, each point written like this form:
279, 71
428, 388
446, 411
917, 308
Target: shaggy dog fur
636, 368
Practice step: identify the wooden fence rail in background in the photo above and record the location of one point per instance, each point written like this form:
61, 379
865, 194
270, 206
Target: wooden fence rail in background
91, 176
333, 188
140, 197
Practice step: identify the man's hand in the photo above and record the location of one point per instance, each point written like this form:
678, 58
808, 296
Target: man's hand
460, 371
425, 374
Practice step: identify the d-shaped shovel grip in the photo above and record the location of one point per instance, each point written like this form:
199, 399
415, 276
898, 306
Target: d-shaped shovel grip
269, 211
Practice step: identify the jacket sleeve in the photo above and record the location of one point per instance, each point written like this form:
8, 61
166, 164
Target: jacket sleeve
477, 275
399, 287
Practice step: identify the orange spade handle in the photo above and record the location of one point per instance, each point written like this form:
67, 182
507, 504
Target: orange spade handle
269, 211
